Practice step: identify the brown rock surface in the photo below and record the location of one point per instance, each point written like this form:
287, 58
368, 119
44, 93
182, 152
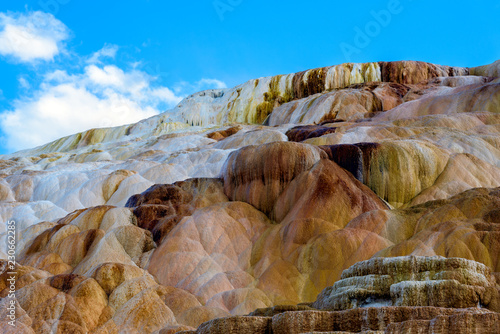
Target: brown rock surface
259, 182
311, 196
161, 207
300, 133
222, 134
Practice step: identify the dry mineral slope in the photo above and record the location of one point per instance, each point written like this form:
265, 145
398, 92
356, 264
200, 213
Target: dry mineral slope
266, 198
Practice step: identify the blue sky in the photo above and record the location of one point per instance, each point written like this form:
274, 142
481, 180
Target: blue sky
68, 65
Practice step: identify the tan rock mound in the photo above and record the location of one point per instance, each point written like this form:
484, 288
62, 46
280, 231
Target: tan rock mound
60, 303
397, 171
257, 136
465, 226
221, 134
208, 254
260, 181
325, 192
300, 133
476, 97
160, 208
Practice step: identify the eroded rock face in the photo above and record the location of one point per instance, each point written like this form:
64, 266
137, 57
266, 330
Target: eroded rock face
160, 208
325, 192
387, 320
461, 226
301, 133
475, 97
397, 171
222, 134
260, 181
354, 103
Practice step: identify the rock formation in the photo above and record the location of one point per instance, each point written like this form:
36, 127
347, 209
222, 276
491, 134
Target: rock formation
413, 281
387, 295
357, 198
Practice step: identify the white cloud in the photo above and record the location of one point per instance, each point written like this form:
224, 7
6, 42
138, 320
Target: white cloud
24, 83
97, 97
166, 95
200, 85
111, 76
106, 76
212, 83
32, 36
108, 51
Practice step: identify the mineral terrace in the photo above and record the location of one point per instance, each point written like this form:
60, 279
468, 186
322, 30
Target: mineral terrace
357, 198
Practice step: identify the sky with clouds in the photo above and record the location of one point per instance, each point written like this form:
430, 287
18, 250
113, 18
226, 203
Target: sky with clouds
70, 65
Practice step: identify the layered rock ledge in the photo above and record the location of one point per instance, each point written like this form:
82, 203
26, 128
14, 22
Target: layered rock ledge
412, 294
413, 281
394, 320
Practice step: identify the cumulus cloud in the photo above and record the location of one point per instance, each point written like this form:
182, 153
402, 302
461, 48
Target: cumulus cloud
108, 51
211, 83
100, 96
200, 85
23, 83
32, 36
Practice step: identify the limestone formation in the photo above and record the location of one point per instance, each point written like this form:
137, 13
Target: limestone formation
413, 281
393, 295
260, 181
356, 198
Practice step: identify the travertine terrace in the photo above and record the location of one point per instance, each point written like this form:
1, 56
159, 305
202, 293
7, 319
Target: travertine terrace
360, 198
